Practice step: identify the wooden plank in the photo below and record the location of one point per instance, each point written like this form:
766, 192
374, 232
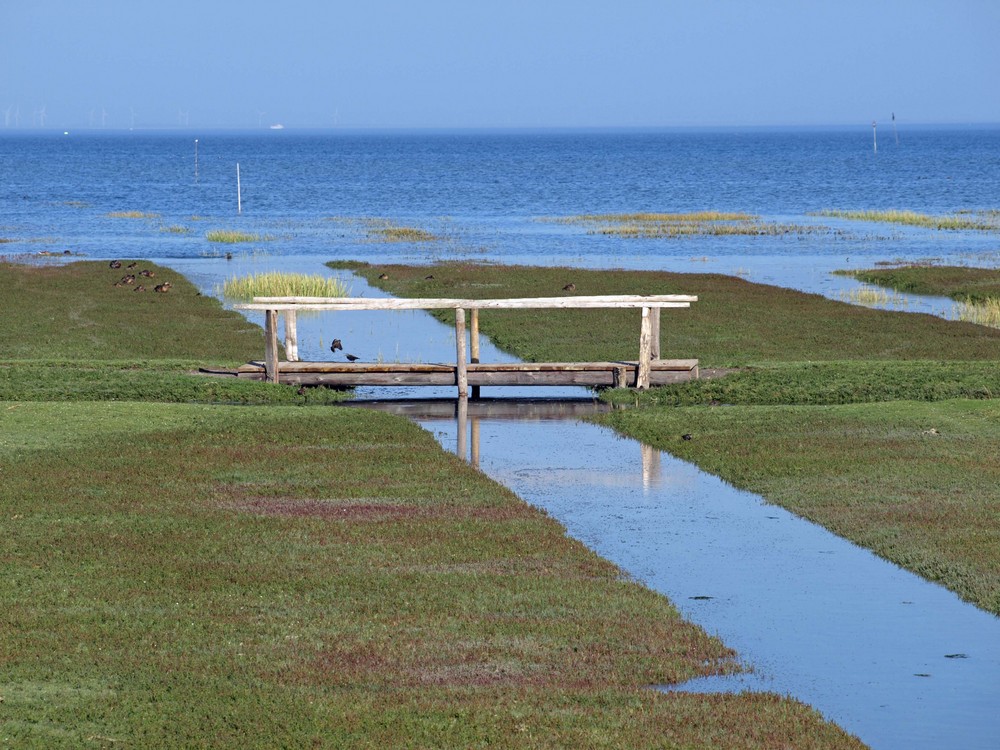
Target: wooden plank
401, 303
461, 366
645, 346
271, 345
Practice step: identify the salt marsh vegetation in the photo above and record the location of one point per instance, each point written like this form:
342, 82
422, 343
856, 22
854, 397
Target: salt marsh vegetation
277, 284
696, 223
982, 220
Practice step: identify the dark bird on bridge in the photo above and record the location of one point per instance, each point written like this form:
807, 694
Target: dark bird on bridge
336, 345
352, 358
569, 288
115, 264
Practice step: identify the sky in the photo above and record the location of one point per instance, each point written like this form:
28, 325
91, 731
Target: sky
496, 63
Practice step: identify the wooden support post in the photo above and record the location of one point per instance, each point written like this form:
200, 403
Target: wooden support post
461, 366
654, 352
271, 346
645, 346
291, 337
621, 377
474, 343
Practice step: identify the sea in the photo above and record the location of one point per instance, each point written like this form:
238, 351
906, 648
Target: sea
502, 196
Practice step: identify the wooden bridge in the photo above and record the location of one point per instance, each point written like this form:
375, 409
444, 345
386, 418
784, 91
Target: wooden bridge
467, 370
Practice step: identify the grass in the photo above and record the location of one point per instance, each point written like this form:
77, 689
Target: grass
986, 313
872, 297
698, 223
832, 419
980, 220
182, 575
961, 283
387, 231
278, 284
232, 237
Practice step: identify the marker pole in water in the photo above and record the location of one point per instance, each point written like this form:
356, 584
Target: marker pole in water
195, 159
239, 198
874, 137
895, 134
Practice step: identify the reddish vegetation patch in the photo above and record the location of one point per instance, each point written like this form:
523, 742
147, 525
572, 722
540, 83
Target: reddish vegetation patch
311, 508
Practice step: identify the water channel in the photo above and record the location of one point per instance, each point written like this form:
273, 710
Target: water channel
898, 661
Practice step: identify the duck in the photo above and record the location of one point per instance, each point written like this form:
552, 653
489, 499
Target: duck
164, 287
115, 264
139, 288
571, 287
336, 345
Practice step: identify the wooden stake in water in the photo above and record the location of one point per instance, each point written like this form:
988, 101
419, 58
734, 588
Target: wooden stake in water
195, 159
239, 197
894, 133
874, 137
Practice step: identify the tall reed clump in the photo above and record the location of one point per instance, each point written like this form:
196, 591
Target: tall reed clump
984, 313
386, 231
870, 296
231, 237
277, 284
979, 220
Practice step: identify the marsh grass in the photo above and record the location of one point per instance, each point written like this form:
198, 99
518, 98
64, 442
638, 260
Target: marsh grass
960, 283
231, 236
977, 220
984, 313
383, 230
132, 215
280, 284
870, 296
175, 229
698, 223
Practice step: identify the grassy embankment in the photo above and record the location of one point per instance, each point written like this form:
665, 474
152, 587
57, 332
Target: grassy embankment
913, 477
182, 575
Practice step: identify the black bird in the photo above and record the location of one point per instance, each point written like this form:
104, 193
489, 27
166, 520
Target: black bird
687, 436
229, 256
336, 345
115, 264
429, 277
352, 358
569, 288
301, 391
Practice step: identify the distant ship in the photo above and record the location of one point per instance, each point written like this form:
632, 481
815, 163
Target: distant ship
279, 126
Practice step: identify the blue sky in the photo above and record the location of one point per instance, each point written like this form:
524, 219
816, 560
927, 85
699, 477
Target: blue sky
497, 63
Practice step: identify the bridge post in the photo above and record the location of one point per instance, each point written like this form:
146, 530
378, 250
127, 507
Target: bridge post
271, 346
461, 366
